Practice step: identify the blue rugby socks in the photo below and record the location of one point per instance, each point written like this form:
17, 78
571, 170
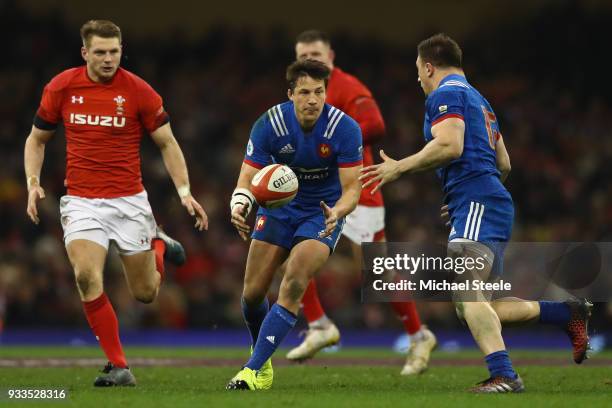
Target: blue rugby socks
557, 313
254, 317
274, 329
499, 365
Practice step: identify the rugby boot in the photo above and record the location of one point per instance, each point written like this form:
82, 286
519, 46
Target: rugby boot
175, 253
115, 376
499, 385
247, 380
317, 338
577, 328
419, 353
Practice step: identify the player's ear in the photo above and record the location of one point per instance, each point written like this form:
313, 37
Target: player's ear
84, 53
332, 55
429, 69
289, 93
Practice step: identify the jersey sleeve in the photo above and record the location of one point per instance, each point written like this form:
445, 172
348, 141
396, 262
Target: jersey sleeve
350, 152
258, 152
49, 113
444, 105
151, 108
365, 111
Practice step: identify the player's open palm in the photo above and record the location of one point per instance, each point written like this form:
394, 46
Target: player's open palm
381, 173
195, 210
35, 193
239, 214
331, 220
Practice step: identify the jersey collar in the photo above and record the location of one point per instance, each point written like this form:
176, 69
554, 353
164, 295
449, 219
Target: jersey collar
453, 77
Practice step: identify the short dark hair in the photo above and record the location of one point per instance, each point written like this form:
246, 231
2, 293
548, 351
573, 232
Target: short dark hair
101, 28
308, 67
440, 51
310, 36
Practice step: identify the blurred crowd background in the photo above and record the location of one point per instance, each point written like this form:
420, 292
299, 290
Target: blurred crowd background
543, 73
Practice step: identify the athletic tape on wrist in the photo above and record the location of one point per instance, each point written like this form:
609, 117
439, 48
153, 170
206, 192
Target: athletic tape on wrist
242, 196
184, 191
29, 181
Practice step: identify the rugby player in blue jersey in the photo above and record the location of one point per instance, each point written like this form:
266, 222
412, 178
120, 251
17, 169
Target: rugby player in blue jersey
464, 144
323, 147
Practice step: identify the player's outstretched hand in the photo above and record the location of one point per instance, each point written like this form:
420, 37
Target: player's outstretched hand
445, 215
239, 213
331, 220
35, 193
382, 173
195, 210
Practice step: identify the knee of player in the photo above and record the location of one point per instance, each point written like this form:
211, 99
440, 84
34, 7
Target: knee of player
87, 282
294, 287
455, 249
146, 293
252, 296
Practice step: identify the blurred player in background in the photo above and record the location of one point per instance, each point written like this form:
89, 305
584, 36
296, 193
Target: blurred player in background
323, 147
367, 222
466, 147
104, 110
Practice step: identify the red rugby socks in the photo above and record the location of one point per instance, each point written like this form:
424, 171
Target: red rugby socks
313, 310
103, 322
159, 246
407, 313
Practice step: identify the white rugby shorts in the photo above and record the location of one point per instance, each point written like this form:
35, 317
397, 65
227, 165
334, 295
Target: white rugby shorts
128, 222
363, 223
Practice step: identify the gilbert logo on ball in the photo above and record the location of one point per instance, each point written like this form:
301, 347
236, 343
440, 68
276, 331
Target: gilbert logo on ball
274, 186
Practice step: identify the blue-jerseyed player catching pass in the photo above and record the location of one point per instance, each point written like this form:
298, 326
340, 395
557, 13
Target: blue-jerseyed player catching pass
464, 144
323, 147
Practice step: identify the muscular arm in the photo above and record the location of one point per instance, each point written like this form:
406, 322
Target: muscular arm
34, 153
177, 168
503, 159
33, 157
247, 172
172, 154
351, 190
447, 145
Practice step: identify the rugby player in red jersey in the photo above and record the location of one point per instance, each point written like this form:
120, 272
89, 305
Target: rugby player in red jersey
367, 222
105, 110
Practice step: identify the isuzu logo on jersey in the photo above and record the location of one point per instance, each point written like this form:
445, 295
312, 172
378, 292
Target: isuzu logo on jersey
97, 120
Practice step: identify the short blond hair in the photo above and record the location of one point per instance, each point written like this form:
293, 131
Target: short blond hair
101, 28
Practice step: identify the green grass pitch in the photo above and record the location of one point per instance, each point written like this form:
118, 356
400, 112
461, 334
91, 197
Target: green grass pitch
343, 379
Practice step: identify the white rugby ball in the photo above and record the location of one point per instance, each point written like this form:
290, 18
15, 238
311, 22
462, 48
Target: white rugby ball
274, 186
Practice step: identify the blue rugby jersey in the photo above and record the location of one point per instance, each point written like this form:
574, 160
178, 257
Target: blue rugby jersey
334, 142
455, 97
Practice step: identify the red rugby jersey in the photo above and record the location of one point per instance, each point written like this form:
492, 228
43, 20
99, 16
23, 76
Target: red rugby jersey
104, 123
348, 94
